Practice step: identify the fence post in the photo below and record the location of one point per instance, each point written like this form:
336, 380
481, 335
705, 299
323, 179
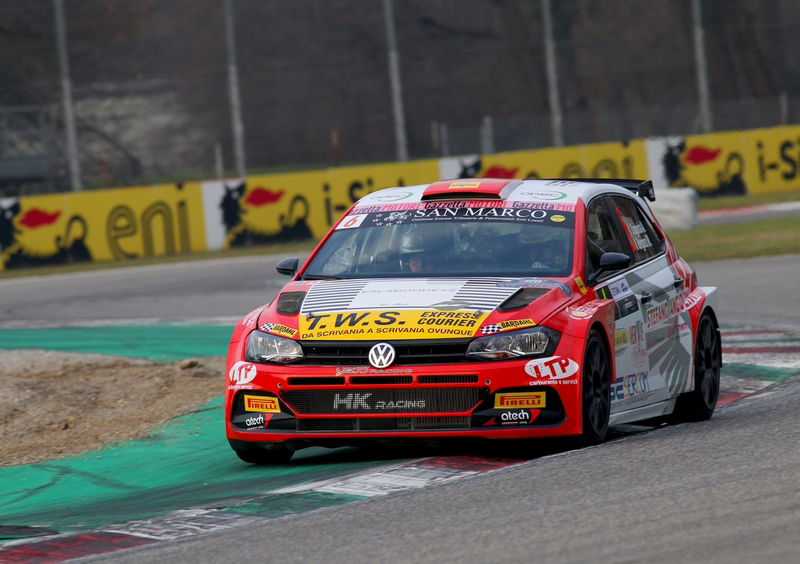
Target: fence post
487, 135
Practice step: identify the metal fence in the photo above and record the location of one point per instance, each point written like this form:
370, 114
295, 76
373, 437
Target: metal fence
150, 80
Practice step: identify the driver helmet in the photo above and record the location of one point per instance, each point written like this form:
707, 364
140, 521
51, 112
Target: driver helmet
544, 241
421, 251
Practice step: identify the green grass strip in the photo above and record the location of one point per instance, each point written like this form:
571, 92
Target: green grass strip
739, 240
163, 343
186, 463
287, 503
755, 372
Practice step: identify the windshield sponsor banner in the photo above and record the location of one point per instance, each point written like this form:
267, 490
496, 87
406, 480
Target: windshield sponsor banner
397, 324
560, 215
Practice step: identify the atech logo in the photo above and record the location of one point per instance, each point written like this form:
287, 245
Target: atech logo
261, 403
519, 399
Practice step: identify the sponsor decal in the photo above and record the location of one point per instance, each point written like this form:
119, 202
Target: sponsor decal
515, 417
535, 283
360, 402
581, 312
581, 285
393, 196
242, 373
255, 421
619, 289
514, 212
352, 221
391, 324
630, 385
584, 310
551, 368
461, 185
637, 333
366, 294
264, 404
368, 370
251, 318
518, 400
692, 299
506, 325
545, 195
278, 329
557, 218
621, 341
664, 311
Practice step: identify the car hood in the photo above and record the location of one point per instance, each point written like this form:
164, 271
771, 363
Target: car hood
417, 308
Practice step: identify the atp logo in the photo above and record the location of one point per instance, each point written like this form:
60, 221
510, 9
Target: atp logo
242, 373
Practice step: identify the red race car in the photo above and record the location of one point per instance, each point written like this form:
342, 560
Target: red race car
476, 308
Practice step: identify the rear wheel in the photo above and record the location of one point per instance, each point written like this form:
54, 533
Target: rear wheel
254, 453
699, 404
596, 390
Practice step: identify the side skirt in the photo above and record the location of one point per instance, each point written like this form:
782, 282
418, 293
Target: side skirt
645, 412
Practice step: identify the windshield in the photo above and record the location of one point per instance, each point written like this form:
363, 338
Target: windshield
448, 239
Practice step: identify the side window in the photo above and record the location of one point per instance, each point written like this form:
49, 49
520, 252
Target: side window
641, 238
601, 234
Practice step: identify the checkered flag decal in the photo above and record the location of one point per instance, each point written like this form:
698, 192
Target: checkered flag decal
490, 329
267, 327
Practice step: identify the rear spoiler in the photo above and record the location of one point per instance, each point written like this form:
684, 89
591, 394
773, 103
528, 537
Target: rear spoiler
642, 188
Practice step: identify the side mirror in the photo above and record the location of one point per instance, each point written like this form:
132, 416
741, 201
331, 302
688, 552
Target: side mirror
609, 262
287, 266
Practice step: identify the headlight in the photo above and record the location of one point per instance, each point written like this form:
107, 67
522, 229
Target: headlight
263, 347
525, 342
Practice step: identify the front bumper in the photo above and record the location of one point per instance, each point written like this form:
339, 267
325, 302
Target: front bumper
492, 399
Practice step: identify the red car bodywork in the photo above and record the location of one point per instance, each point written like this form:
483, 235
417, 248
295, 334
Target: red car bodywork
299, 404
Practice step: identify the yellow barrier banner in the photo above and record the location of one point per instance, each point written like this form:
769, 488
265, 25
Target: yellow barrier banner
99, 225
754, 161
598, 160
296, 206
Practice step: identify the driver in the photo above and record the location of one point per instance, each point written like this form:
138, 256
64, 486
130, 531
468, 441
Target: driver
421, 252
546, 247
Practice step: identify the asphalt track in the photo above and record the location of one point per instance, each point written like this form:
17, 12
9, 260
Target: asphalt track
725, 490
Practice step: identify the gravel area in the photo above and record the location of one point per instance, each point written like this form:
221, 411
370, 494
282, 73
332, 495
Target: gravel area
56, 404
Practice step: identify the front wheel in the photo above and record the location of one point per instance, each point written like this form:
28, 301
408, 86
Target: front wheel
254, 453
699, 404
596, 390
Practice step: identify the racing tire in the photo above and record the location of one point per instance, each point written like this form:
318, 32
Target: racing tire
596, 390
261, 455
699, 404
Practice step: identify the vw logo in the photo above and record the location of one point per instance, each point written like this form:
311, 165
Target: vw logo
381, 355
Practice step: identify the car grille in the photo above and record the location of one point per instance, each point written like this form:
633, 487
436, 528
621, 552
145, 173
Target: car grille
354, 353
383, 400
384, 424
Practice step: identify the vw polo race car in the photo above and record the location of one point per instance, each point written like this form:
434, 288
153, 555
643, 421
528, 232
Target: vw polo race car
480, 308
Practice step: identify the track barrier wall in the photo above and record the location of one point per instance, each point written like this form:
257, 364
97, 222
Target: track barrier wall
163, 219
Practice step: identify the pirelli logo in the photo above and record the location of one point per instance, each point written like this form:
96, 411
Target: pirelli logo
262, 404
519, 399
462, 185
